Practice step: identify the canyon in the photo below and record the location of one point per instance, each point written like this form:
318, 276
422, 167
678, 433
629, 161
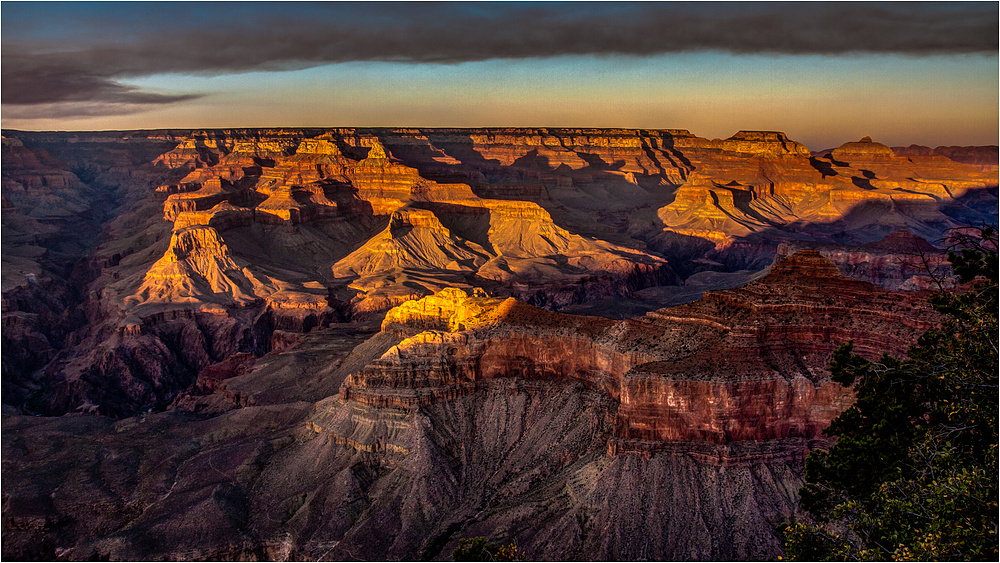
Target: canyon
369, 343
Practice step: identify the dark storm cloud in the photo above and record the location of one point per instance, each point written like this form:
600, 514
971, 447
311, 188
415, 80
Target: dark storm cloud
46, 78
219, 39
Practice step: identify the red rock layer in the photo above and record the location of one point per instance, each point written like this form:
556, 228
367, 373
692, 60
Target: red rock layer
984, 157
744, 364
900, 261
755, 182
610, 179
303, 226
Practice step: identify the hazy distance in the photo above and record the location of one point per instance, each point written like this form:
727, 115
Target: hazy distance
824, 73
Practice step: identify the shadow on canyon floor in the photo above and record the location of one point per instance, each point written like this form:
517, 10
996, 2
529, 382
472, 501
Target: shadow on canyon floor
706, 268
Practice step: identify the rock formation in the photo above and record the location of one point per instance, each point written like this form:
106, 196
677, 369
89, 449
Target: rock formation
982, 157
472, 415
713, 371
347, 343
900, 261
291, 229
860, 187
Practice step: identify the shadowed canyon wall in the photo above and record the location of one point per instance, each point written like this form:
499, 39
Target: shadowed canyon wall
353, 343
679, 434
291, 229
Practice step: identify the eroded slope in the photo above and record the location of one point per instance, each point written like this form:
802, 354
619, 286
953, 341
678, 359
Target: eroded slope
253, 236
677, 435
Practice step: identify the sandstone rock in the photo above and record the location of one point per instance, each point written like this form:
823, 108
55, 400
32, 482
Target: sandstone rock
289, 433
900, 261
984, 157
858, 186
197, 266
507, 242
763, 142
581, 216
746, 364
414, 238
863, 150
449, 310
222, 217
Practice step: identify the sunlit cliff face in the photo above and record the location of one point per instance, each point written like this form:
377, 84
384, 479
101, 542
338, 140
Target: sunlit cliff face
261, 232
351, 341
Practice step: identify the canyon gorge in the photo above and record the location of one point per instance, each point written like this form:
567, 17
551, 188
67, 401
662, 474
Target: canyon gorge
349, 343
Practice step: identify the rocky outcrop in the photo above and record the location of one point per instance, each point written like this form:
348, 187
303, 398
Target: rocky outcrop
513, 243
449, 310
984, 157
773, 143
311, 226
197, 263
864, 150
221, 217
746, 364
452, 422
658, 410
859, 187
279, 430
900, 261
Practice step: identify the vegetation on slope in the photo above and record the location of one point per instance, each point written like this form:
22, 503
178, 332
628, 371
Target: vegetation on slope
481, 549
913, 475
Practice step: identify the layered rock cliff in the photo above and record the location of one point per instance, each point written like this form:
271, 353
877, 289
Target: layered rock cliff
677, 435
205, 308
900, 261
856, 192
291, 229
746, 364
983, 157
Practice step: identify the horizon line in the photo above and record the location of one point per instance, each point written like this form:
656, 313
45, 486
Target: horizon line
396, 127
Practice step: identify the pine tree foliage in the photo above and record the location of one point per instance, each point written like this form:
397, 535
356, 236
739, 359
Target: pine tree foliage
913, 474
481, 549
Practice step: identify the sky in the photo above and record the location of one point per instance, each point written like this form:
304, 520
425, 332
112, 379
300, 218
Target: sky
824, 73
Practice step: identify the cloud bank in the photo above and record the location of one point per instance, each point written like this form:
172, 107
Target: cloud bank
41, 70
